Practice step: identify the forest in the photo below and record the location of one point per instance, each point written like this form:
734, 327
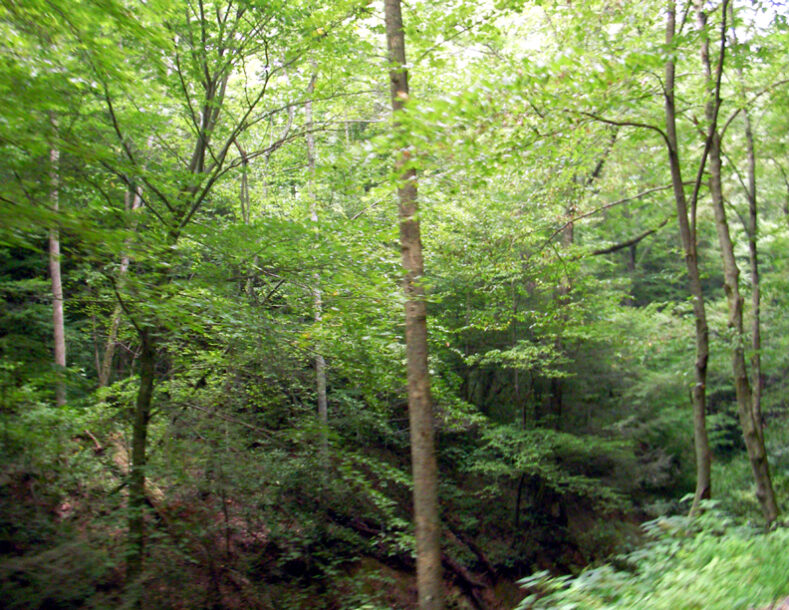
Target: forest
372, 304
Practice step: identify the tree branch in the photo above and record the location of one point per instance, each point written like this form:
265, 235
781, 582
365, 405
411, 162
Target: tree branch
601, 119
602, 208
630, 242
713, 124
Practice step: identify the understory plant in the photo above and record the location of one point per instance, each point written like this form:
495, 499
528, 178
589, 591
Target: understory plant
711, 562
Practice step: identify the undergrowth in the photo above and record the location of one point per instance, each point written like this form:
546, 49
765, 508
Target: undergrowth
710, 562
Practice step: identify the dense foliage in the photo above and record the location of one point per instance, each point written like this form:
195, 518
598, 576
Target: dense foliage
708, 563
220, 179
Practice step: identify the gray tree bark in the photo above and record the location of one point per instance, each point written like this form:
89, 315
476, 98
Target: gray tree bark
59, 333
317, 297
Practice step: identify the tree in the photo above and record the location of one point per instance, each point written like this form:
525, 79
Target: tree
320, 361
687, 232
105, 364
222, 185
420, 410
205, 47
59, 333
751, 428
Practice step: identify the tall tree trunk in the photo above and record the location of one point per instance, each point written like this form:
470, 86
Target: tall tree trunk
688, 239
554, 398
751, 429
752, 229
630, 264
756, 295
420, 410
142, 415
59, 333
246, 214
112, 335
754, 441
146, 329
317, 297
785, 206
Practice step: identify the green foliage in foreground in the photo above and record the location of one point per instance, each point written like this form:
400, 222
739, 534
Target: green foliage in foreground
711, 562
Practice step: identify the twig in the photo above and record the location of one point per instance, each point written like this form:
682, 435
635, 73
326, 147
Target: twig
97, 446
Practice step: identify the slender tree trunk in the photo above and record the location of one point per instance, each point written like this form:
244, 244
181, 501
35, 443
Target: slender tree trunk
112, 335
244, 195
518, 498
754, 441
246, 214
785, 206
317, 297
216, 61
142, 415
630, 264
105, 369
59, 333
752, 229
420, 410
688, 239
756, 295
146, 330
554, 399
